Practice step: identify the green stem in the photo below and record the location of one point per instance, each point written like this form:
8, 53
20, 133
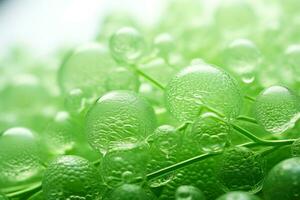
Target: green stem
259, 140
32, 187
150, 79
180, 165
249, 98
183, 126
247, 119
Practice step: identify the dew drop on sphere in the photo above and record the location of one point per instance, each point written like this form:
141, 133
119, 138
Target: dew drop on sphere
122, 79
127, 45
119, 118
199, 85
241, 169
239, 195
129, 192
71, 177
86, 68
20, 157
125, 165
188, 192
277, 109
242, 57
210, 132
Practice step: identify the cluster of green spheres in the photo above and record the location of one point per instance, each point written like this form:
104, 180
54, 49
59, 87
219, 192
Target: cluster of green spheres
201, 105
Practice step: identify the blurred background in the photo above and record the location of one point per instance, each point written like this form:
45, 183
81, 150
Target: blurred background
47, 24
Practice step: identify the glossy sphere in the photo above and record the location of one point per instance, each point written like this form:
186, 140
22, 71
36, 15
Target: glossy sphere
75, 101
210, 132
241, 169
59, 134
71, 177
200, 85
128, 192
282, 181
242, 57
86, 68
127, 45
125, 165
164, 43
19, 157
119, 118
122, 79
277, 109
238, 196
188, 192
165, 138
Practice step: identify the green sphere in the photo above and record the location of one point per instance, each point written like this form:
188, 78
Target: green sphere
122, 79
238, 195
199, 85
60, 135
71, 177
241, 169
127, 45
188, 192
125, 165
86, 68
20, 157
277, 109
129, 192
282, 181
210, 132
119, 118
242, 57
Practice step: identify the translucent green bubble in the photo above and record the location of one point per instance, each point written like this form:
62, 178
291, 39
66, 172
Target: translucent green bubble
20, 158
198, 85
125, 165
60, 135
164, 44
242, 57
71, 177
282, 181
86, 68
75, 101
119, 118
277, 109
127, 45
238, 195
211, 132
122, 79
241, 169
188, 192
129, 192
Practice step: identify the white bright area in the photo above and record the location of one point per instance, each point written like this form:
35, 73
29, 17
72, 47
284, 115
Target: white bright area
44, 25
